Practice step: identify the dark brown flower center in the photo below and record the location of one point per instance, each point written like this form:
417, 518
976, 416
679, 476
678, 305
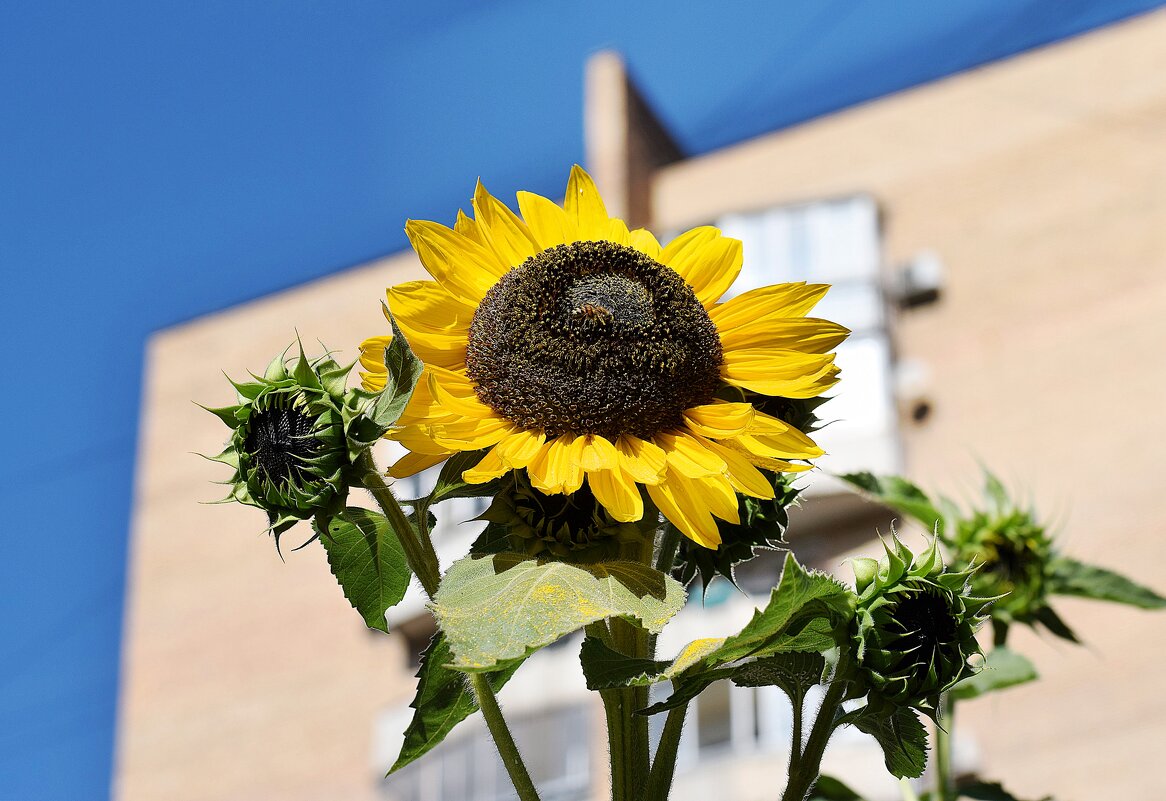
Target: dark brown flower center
593, 337
278, 439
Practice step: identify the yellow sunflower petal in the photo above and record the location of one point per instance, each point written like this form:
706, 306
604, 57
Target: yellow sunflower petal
710, 266
804, 334
520, 448
502, 230
741, 473
784, 300
489, 468
546, 220
450, 393
372, 359
556, 467
467, 227
413, 463
618, 494
642, 460
584, 206
642, 240
719, 420
598, 453
688, 457
470, 435
617, 232
693, 519
784, 373
459, 264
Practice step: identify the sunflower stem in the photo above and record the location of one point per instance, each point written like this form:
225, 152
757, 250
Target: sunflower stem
664, 763
422, 559
944, 777
418, 547
507, 748
804, 775
669, 545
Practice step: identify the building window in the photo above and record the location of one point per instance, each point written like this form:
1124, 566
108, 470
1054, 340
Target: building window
466, 767
837, 242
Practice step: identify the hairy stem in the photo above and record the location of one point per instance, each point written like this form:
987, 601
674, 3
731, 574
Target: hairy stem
503, 739
418, 546
944, 778
664, 763
804, 775
422, 559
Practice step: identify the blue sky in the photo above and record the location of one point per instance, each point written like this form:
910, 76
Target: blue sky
162, 160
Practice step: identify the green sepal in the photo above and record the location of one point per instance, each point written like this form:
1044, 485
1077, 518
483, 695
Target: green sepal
901, 736
498, 609
442, 701
1053, 622
403, 372
368, 561
1002, 668
1070, 577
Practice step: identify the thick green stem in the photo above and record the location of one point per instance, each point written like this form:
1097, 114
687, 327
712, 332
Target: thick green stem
797, 735
422, 559
507, 748
669, 545
944, 777
664, 763
803, 778
418, 547
627, 732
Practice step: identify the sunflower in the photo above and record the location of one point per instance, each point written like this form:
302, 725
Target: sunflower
565, 345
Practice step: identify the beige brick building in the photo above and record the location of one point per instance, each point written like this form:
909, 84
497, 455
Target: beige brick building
1038, 182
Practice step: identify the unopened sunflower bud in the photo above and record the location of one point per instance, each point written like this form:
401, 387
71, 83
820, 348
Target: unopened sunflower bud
915, 627
290, 443
1014, 556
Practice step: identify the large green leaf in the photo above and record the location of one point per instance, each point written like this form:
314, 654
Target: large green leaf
990, 791
443, 700
1003, 668
404, 370
368, 561
500, 608
902, 737
901, 494
807, 611
1071, 577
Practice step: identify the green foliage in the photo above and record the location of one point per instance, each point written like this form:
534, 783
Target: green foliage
901, 736
916, 627
605, 668
1002, 668
901, 494
404, 370
795, 673
368, 561
1070, 577
762, 527
827, 788
807, 611
498, 609
443, 700
990, 791
296, 433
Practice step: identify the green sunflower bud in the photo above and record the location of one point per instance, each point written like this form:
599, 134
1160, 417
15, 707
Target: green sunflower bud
573, 527
915, 627
762, 527
1014, 555
294, 440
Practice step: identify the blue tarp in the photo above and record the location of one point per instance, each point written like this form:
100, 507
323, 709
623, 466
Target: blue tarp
162, 160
